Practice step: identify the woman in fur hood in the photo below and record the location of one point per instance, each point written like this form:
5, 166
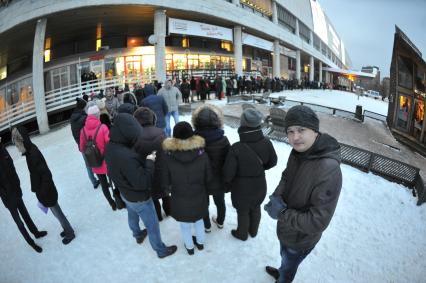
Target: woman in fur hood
187, 171
208, 123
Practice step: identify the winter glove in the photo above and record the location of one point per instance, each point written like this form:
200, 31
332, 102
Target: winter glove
275, 206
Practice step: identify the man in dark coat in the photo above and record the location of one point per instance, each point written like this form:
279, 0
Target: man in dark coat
41, 180
187, 172
11, 195
208, 123
244, 172
133, 177
78, 119
129, 104
159, 106
152, 139
307, 195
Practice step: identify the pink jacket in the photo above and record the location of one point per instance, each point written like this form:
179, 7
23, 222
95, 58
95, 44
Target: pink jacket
92, 123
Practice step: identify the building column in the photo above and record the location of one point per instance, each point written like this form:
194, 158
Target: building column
320, 71
311, 68
160, 46
297, 28
276, 67
298, 66
274, 12
238, 50
38, 77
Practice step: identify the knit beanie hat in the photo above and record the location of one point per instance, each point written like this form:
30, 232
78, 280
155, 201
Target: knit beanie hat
302, 116
251, 118
81, 103
183, 131
93, 110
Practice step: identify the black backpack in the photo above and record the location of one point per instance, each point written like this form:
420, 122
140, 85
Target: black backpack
91, 151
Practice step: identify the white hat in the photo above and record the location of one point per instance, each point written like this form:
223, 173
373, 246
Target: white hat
93, 110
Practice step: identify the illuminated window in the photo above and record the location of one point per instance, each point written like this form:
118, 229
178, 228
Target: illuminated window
185, 42
134, 41
306, 68
98, 44
3, 72
47, 47
226, 45
47, 55
403, 111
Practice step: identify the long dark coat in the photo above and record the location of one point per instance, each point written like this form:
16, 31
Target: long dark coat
41, 178
187, 172
245, 165
10, 187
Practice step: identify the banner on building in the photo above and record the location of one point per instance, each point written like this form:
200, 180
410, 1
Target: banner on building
258, 42
185, 27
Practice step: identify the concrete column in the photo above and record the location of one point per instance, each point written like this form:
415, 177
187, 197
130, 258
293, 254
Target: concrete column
160, 46
274, 12
276, 67
298, 65
320, 72
238, 51
297, 28
311, 68
38, 77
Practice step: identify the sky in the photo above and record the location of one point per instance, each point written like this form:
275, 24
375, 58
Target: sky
367, 28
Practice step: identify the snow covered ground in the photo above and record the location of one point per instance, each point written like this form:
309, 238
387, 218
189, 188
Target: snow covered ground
338, 99
377, 234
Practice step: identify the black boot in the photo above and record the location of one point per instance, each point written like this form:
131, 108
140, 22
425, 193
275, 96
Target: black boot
40, 234
200, 247
68, 240
272, 271
170, 250
190, 251
236, 235
36, 247
142, 237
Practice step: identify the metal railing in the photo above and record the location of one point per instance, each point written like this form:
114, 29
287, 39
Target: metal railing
60, 98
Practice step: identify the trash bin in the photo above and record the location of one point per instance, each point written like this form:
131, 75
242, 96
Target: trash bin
358, 112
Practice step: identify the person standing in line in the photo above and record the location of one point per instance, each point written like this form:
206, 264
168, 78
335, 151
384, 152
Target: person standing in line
41, 180
151, 139
193, 84
187, 172
306, 197
244, 172
159, 106
78, 119
133, 177
172, 96
208, 123
94, 129
11, 195
111, 103
185, 89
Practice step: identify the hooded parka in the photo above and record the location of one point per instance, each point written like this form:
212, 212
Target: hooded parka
10, 187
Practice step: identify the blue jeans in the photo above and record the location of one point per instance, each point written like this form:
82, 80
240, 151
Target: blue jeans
89, 172
186, 229
175, 115
146, 211
290, 260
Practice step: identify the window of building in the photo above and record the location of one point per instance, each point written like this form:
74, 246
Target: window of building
3, 72
109, 68
304, 32
3, 104
404, 106
405, 72
286, 19
192, 62
419, 113
316, 42
420, 80
185, 42
227, 45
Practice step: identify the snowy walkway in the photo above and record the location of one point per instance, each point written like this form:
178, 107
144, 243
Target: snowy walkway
376, 235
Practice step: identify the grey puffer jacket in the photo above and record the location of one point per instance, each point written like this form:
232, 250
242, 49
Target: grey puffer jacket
310, 186
171, 95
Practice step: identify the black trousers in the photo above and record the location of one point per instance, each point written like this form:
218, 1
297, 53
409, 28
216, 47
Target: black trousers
17, 213
105, 187
166, 206
219, 201
248, 221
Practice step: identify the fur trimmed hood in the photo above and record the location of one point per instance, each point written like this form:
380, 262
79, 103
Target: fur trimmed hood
192, 143
207, 116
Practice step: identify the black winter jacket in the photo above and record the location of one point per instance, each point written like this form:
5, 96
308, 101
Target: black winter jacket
245, 165
151, 139
129, 172
78, 119
159, 106
187, 171
41, 177
10, 187
310, 185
